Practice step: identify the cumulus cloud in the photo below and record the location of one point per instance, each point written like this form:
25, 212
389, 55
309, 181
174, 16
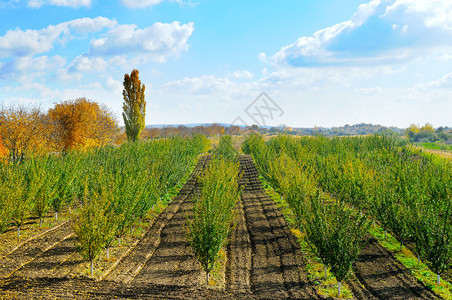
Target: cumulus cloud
88, 65
87, 25
381, 31
305, 79
18, 43
244, 74
206, 84
140, 3
435, 13
444, 82
144, 3
157, 41
27, 68
9, 3
69, 3
369, 91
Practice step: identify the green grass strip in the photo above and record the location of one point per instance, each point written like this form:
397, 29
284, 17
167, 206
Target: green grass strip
409, 260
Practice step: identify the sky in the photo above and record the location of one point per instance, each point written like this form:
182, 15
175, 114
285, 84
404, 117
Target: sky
299, 63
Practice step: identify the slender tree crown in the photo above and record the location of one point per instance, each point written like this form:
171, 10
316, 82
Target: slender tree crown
134, 106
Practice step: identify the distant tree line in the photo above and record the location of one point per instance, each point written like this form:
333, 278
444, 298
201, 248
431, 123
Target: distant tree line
427, 133
186, 131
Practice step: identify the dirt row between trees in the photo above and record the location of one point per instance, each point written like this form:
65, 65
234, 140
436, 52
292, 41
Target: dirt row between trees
385, 277
264, 257
277, 263
163, 256
264, 260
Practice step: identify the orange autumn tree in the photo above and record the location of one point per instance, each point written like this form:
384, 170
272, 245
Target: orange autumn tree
83, 123
3, 150
24, 131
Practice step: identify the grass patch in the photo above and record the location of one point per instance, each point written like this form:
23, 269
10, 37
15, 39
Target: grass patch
436, 146
410, 261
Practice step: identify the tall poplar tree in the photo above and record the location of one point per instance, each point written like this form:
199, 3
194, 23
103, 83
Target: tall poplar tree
134, 106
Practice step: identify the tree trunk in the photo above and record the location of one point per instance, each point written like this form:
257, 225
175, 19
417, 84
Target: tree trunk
18, 231
386, 234
91, 268
119, 241
361, 213
56, 216
108, 253
438, 279
339, 288
373, 222
40, 222
326, 274
207, 278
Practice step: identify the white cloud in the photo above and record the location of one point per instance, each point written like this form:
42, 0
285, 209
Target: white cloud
114, 85
206, 84
9, 3
88, 65
140, 3
380, 32
69, 3
64, 74
444, 82
369, 91
244, 74
158, 41
21, 43
284, 79
87, 25
26, 68
146, 3
17, 43
435, 13
364, 12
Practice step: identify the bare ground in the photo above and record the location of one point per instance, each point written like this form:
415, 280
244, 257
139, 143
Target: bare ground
264, 260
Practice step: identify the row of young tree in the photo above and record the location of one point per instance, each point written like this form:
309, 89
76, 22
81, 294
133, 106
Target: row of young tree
214, 207
407, 191
335, 232
107, 189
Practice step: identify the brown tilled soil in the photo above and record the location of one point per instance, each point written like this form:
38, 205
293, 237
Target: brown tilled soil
385, 277
163, 256
264, 257
264, 260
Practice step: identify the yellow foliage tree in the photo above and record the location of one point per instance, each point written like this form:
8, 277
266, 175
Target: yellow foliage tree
134, 106
428, 128
3, 151
83, 123
24, 131
413, 128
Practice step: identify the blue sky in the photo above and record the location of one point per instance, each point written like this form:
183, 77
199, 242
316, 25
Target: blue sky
323, 63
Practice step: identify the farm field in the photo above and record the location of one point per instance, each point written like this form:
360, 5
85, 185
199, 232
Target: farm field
179, 149
361, 180
263, 258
